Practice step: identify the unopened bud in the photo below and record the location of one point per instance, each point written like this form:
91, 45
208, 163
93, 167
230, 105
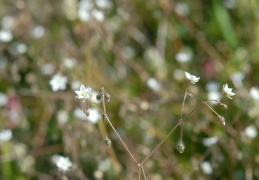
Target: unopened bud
107, 142
221, 120
86, 111
223, 105
180, 147
190, 95
98, 97
107, 97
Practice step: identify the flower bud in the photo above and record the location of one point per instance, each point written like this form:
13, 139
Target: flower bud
107, 97
223, 105
98, 97
107, 142
180, 147
221, 120
190, 95
86, 111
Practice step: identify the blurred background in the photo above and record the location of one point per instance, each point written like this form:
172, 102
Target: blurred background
138, 51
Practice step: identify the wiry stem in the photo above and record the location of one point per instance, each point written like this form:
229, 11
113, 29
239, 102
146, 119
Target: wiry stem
105, 115
178, 123
144, 174
185, 95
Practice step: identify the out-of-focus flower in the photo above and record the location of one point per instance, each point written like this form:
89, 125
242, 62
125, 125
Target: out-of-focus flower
254, 93
69, 62
3, 99
75, 85
183, 57
63, 163
38, 31
250, 131
212, 86
206, 167
153, 84
193, 79
228, 91
214, 95
103, 3
79, 113
104, 165
182, 9
58, 82
210, 141
6, 135
84, 10
6, 35
94, 115
47, 69
98, 15
21, 48
237, 78
83, 93
7, 22
62, 117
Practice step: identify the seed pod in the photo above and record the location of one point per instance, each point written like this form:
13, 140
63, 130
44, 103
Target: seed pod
107, 142
190, 95
98, 97
180, 147
86, 111
107, 97
221, 120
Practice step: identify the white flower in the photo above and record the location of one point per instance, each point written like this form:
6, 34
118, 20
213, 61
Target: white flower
69, 62
63, 163
206, 167
6, 135
58, 82
193, 79
153, 84
83, 93
94, 115
62, 117
228, 91
254, 93
47, 69
98, 15
6, 36
183, 57
79, 113
250, 131
210, 141
38, 31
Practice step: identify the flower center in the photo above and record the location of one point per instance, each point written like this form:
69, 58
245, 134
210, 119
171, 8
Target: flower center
83, 94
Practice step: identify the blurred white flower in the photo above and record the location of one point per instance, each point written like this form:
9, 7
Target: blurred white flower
38, 31
84, 9
104, 165
75, 85
182, 9
251, 131
69, 62
98, 15
6, 135
79, 113
94, 115
83, 93
63, 163
7, 22
206, 167
47, 69
228, 91
58, 82
237, 78
210, 141
153, 84
62, 117
183, 57
6, 35
193, 79
254, 93
212, 86
3, 99
103, 3
214, 95
54, 158
21, 48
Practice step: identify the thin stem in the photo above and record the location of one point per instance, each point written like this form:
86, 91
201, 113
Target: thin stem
143, 172
211, 109
185, 95
178, 123
120, 139
138, 171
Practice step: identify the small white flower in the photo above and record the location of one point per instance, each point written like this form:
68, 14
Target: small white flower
98, 15
183, 57
6, 35
63, 163
6, 135
38, 31
47, 69
62, 117
228, 91
193, 79
94, 115
69, 63
83, 93
250, 131
254, 93
209, 141
153, 84
79, 113
206, 167
58, 82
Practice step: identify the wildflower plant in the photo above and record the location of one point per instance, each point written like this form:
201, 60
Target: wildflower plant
103, 96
